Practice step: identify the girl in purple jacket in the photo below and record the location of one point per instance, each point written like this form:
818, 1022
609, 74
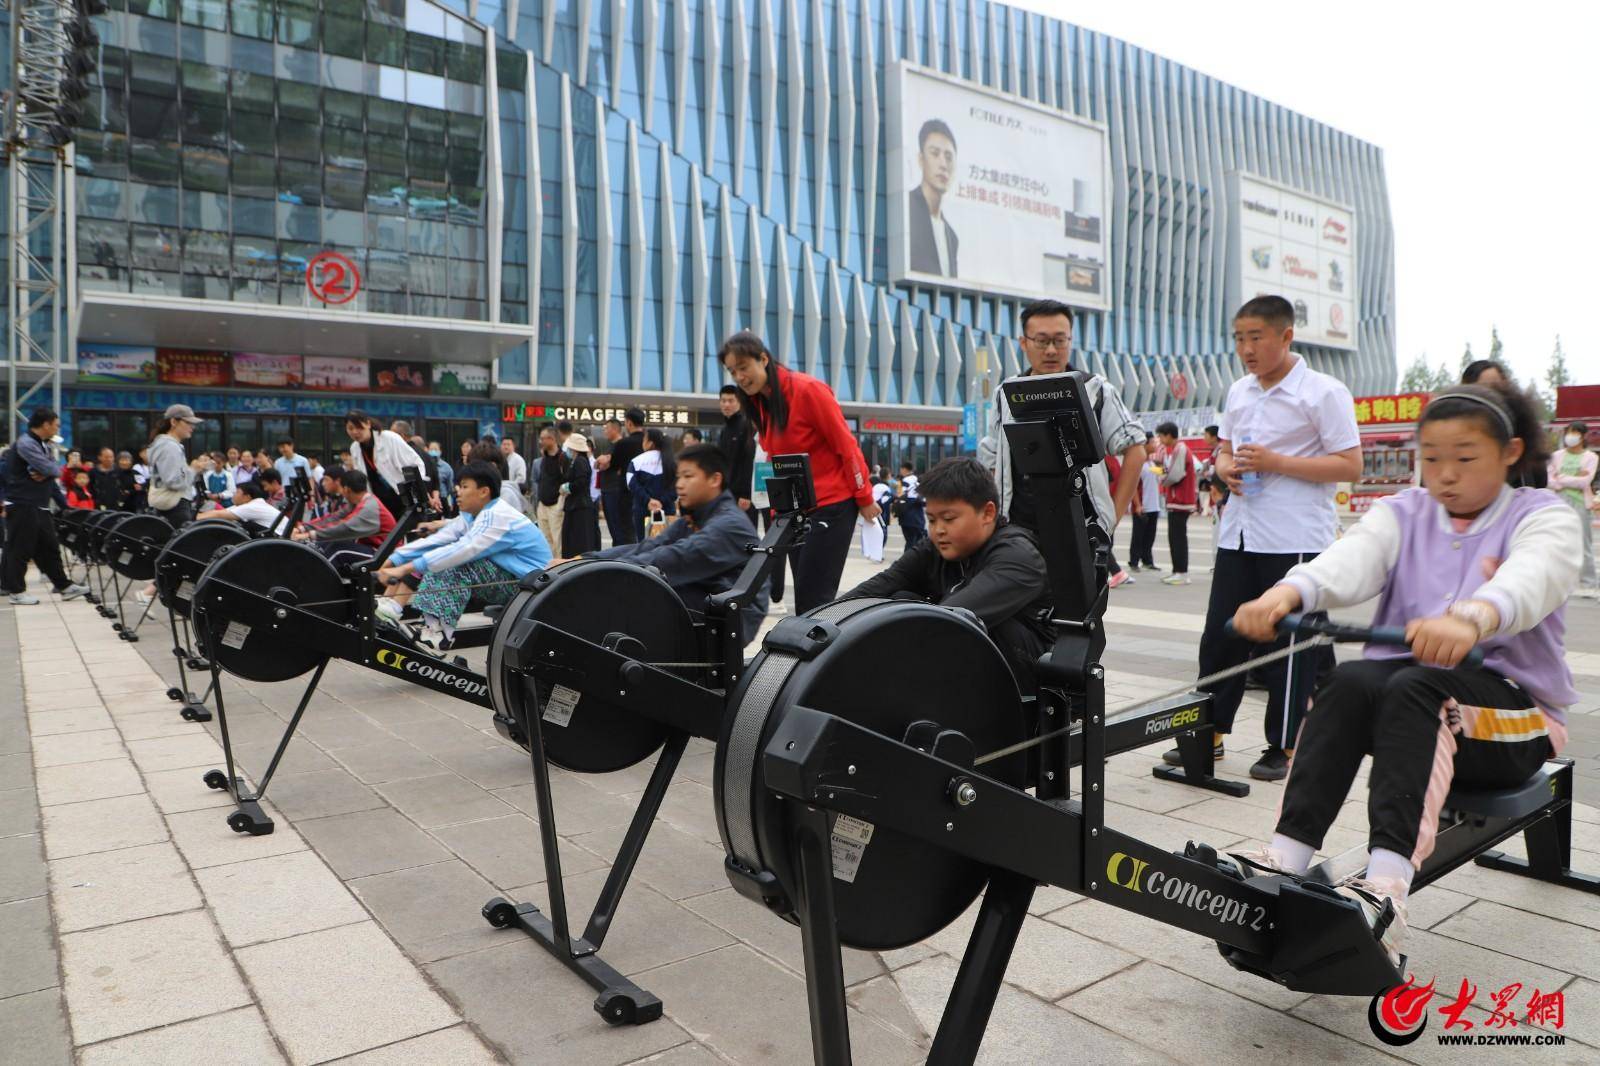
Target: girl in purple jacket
1466, 561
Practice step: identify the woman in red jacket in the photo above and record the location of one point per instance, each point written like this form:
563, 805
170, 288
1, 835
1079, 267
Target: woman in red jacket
796, 413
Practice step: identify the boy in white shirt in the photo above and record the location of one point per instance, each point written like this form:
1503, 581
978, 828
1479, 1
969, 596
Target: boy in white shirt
249, 505
1287, 438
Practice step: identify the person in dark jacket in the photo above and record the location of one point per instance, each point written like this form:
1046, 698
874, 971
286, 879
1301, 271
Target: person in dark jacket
32, 480
627, 441
738, 442
103, 482
933, 242
702, 553
580, 526
974, 558
130, 491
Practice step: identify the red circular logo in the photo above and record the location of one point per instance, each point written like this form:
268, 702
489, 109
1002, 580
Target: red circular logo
333, 278
1179, 385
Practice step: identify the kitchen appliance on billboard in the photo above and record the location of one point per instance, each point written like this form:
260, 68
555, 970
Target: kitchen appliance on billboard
994, 193
1286, 243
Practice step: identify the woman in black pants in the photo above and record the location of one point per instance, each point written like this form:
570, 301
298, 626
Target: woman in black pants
795, 413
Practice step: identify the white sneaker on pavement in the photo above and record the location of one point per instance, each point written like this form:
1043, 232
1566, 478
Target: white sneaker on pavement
1175, 579
23, 599
72, 592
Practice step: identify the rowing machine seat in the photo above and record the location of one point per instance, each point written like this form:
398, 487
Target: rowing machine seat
1519, 801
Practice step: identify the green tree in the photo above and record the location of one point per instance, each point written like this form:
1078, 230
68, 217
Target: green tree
1418, 376
1494, 344
1443, 378
1466, 356
1557, 375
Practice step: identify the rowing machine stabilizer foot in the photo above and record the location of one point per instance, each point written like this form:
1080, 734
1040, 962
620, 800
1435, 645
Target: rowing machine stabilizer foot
621, 1006
195, 711
250, 818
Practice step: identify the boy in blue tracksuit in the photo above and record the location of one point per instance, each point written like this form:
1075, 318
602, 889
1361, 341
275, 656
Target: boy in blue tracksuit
486, 550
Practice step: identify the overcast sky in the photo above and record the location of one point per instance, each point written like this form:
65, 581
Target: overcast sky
1489, 119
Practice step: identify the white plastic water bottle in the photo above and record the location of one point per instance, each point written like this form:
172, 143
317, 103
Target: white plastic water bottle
1250, 478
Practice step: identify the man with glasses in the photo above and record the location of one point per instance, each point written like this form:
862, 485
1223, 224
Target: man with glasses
1047, 343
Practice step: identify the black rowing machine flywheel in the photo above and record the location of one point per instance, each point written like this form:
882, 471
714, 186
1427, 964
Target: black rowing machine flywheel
132, 547
895, 890
283, 571
70, 525
185, 557
96, 527
592, 599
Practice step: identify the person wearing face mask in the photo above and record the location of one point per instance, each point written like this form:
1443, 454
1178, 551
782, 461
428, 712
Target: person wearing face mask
1571, 474
447, 477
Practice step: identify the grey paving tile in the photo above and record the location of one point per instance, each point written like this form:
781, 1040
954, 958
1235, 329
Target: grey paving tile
277, 896
67, 748
1569, 948
14, 735
340, 991
16, 770
19, 812
1175, 1014
1022, 1029
171, 753
22, 869
127, 978
101, 825
88, 781
371, 842
496, 988
710, 995
238, 1036
766, 932
205, 839
387, 760
458, 1046
682, 1055
33, 1029
501, 766
321, 793
332, 727
30, 954
507, 851
580, 808
69, 720
441, 799
1035, 964
434, 911
121, 886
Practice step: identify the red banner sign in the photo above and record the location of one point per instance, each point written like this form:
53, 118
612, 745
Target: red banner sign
884, 425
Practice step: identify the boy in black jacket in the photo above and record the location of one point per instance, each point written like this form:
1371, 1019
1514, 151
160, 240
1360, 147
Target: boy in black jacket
973, 558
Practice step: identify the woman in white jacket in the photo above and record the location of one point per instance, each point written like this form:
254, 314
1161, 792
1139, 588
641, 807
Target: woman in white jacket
383, 456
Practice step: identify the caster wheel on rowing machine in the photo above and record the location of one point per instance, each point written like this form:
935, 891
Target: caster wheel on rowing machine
117, 626
240, 822
245, 822
175, 694
130, 636
198, 664
216, 779
500, 913
195, 712
620, 1007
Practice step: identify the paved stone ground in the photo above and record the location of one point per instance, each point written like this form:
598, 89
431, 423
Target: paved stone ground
136, 928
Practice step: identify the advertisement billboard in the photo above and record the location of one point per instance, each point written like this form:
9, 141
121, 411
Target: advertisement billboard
333, 373
195, 369
260, 370
115, 364
460, 379
1288, 244
994, 193
395, 375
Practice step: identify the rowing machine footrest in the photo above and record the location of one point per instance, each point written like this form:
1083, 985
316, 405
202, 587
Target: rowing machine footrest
1322, 944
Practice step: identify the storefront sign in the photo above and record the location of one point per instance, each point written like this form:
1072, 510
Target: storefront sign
335, 374
258, 370
969, 428
195, 369
885, 425
540, 412
116, 364
1387, 410
333, 278
460, 379
393, 375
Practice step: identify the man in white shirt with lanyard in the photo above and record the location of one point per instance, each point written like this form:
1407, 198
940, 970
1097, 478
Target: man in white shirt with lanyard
1288, 437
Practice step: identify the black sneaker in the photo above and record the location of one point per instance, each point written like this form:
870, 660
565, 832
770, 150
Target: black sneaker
1272, 766
1175, 757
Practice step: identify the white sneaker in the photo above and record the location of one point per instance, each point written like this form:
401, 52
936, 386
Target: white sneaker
1256, 863
72, 592
388, 609
1373, 895
23, 599
1175, 579
142, 598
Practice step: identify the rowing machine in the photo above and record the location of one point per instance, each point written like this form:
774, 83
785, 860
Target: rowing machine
582, 685
873, 827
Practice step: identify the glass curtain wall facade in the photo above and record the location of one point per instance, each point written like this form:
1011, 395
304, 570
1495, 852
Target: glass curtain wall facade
625, 183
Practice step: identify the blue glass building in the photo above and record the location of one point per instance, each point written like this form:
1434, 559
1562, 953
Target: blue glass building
589, 194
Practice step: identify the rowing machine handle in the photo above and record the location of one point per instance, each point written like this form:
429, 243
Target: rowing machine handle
1343, 633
